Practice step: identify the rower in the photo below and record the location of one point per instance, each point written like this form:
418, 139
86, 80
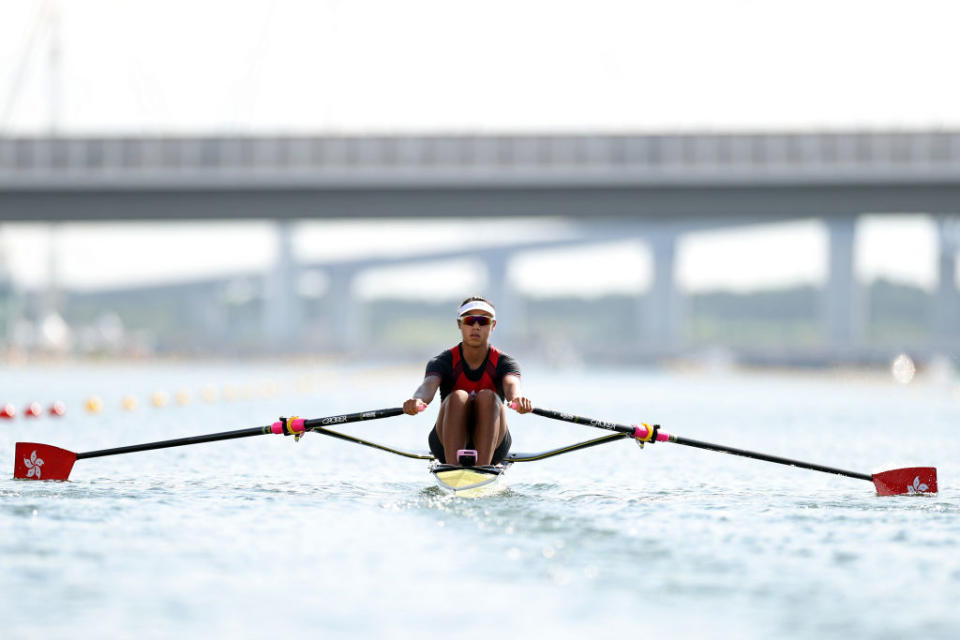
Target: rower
475, 379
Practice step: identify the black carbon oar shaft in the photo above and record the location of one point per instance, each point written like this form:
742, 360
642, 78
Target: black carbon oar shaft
769, 458
179, 442
699, 444
359, 416
590, 422
308, 425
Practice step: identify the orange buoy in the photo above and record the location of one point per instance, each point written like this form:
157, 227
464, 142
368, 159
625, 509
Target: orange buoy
209, 394
8, 411
94, 404
58, 408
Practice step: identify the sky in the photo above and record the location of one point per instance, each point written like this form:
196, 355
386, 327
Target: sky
379, 65
147, 67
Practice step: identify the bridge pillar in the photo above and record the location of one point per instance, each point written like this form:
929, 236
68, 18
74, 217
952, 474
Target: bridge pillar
842, 304
209, 320
349, 326
947, 301
663, 309
281, 308
510, 313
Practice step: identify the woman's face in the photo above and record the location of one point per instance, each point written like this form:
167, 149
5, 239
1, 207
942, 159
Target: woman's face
472, 329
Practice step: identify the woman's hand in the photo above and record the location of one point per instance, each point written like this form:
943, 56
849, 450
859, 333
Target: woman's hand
413, 406
423, 395
521, 404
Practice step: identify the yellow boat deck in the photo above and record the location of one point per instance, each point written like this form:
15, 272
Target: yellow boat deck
468, 482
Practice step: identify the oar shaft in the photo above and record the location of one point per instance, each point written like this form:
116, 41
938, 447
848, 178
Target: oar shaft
308, 425
768, 458
590, 422
359, 416
179, 442
699, 444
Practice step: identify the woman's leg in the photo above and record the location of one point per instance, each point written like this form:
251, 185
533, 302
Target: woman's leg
490, 425
452, 424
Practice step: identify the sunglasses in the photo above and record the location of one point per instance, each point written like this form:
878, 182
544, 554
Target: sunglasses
472, 320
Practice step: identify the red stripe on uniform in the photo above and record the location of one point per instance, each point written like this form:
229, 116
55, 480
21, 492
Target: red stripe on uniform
486, 381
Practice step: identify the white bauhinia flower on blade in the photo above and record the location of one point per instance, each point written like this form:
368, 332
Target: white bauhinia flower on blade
33, 463
917, 486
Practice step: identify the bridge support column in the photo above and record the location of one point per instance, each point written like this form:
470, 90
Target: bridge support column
209, 320
349, 326
842, 304
947, 301
663, 311
281, 308
511, 320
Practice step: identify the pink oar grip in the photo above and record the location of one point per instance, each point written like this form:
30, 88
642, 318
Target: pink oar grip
640, 433
295, 426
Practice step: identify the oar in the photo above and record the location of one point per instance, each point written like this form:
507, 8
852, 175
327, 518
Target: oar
35, 461
909, 480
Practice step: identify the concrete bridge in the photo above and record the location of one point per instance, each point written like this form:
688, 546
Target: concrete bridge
663, 185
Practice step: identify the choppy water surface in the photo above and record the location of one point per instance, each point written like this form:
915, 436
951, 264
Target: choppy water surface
263, 536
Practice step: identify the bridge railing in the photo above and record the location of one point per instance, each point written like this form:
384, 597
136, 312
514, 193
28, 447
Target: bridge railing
647, 152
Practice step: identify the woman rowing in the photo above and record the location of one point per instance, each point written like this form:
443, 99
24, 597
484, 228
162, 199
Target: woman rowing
475, 379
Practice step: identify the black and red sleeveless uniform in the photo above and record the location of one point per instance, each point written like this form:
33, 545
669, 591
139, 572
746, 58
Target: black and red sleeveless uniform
454, 373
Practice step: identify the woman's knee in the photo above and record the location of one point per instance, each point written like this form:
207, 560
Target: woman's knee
488, 398
458, 396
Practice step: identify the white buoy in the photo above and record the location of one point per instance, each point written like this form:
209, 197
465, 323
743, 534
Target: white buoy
903, 369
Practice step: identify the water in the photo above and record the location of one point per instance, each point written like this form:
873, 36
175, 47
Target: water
263, 536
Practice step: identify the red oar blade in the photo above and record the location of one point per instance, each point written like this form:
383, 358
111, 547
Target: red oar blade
912, 480
42, 462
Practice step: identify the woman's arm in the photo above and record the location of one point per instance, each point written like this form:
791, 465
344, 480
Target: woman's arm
511, 391
422, 396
